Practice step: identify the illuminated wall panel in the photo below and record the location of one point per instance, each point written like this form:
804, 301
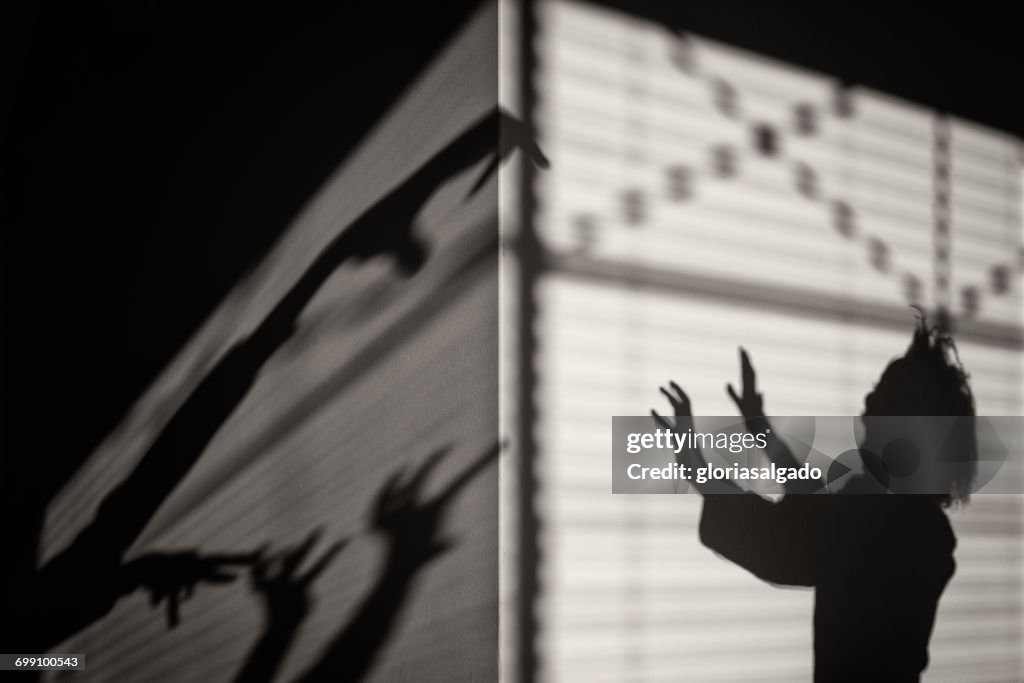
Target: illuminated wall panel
700, 198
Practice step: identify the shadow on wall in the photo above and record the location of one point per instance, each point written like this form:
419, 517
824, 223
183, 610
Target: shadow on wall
878, 563
51, 606
411, 527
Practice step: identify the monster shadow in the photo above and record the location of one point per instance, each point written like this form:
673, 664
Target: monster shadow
84, 580
878, 563
411, 529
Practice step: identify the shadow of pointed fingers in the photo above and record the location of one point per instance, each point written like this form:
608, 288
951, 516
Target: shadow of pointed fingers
510, 140
391, 488
429, 464
220, 576
515, 134
684, 400
677, 405
261, 568
294, 558
483, 460
661, 420
485, 175
325, 560
747, 370
537, 155
729, 389
173, 610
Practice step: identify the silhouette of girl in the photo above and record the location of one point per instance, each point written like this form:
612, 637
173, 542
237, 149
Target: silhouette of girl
878, 563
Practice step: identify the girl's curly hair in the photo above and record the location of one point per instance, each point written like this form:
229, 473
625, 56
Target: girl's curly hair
934, 382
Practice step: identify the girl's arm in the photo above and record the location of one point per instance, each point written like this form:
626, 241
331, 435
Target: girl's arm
773, 541
751, 406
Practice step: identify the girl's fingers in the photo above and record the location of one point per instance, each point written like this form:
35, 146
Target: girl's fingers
749, 377
660, 420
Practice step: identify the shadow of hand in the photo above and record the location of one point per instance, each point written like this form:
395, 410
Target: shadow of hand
681, 408
285, 592
174, 576
513, 135
388, 226
750, 402
410, 525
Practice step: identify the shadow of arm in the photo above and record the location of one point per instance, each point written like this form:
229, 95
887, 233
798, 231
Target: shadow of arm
412, 530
